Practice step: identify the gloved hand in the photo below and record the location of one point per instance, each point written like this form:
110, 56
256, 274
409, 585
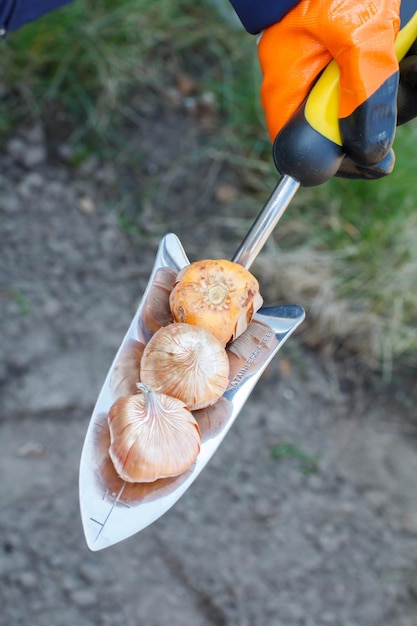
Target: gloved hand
360, 36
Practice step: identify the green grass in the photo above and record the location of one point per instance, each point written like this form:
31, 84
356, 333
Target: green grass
307, 463
89, 56
371, 229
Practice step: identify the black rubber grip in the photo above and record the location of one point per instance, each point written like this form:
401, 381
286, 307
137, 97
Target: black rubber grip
304, 154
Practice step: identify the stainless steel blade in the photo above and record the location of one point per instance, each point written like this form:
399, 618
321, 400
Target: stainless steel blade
112, 510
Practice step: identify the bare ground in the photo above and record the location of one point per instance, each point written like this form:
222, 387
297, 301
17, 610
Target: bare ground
324, 533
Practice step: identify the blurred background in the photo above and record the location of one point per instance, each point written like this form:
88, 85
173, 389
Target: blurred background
120, 121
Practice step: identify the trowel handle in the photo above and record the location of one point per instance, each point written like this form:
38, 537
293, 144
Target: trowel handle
309, 147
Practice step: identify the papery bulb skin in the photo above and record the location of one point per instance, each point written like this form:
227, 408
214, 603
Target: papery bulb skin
156, 311
185, 361
219, 295
152, 436
126, 370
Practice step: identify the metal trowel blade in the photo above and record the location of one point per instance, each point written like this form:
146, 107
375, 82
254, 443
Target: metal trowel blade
113, 510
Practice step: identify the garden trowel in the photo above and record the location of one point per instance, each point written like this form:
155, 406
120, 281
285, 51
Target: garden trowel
112, 509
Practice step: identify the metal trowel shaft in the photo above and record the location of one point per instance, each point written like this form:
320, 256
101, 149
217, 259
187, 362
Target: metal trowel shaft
266, 221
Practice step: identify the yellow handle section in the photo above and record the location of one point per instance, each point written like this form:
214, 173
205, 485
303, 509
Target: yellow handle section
321, 110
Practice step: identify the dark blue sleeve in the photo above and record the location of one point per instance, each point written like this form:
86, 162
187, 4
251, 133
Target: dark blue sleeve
15, 13
256, 15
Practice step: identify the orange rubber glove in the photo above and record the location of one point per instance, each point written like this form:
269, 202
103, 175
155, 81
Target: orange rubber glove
360, 36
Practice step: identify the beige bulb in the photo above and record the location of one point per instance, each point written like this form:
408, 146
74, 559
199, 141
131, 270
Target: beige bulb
186, 362
152, 436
